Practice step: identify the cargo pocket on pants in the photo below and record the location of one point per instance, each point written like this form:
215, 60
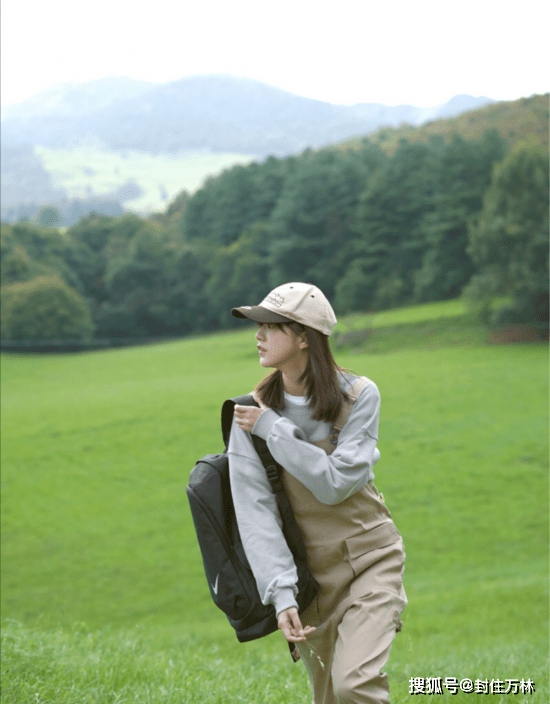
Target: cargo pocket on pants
360, 546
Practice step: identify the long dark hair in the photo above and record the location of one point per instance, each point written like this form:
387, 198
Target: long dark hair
320, 377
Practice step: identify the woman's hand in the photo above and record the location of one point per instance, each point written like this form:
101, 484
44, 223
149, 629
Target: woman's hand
291, 626
246, 416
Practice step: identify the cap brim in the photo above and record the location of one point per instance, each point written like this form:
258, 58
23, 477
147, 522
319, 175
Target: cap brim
259, 314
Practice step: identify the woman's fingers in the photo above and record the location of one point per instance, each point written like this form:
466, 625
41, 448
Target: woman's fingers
292, 631
246, 416
291, 626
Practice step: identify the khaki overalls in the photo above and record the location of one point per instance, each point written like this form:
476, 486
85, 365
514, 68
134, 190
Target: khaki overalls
356, 554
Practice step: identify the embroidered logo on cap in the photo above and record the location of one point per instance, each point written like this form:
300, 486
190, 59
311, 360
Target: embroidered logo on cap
276, 299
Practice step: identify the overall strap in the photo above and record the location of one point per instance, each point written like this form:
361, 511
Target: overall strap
353, 393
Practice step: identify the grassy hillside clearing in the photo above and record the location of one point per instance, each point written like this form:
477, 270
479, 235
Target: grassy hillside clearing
103, 595
87, 171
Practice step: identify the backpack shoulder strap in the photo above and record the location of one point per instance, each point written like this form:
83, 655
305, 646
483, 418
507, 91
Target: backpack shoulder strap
273, 469
228, 409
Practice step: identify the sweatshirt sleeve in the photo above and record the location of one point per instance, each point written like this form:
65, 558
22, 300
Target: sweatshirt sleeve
331, 478
260, 524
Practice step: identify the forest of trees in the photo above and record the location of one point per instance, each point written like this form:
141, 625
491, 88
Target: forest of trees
373, 230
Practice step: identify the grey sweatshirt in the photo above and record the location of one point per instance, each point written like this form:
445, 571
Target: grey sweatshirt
331, 479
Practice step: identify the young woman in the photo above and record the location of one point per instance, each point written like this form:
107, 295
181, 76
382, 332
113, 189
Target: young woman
321, 424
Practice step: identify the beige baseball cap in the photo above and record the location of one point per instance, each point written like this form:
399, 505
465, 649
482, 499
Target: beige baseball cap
298, 302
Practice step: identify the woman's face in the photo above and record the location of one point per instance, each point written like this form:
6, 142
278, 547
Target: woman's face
278, 346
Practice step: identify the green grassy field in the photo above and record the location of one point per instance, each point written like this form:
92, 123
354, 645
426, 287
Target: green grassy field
103, 594
90, 171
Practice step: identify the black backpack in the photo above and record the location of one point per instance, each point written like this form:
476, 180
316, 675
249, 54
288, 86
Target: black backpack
230, 579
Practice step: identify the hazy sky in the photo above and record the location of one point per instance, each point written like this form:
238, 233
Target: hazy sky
347, 51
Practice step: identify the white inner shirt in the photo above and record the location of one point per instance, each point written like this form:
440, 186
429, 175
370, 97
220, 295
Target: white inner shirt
300, 400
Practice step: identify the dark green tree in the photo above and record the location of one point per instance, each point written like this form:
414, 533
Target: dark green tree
461, 173
310, 231
509, 240
220, 210
48, 216
28, 250
388, 217
88, 258
239, 273
189, 307
355, 290
225, 206
137, 281
44, 308
15, 261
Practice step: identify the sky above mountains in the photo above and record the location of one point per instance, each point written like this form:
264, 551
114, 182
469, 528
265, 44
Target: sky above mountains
353, 51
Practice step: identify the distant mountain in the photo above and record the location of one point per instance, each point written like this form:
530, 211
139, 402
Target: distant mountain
515, 120
408, 114
227, 119
72, 99
216, 113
